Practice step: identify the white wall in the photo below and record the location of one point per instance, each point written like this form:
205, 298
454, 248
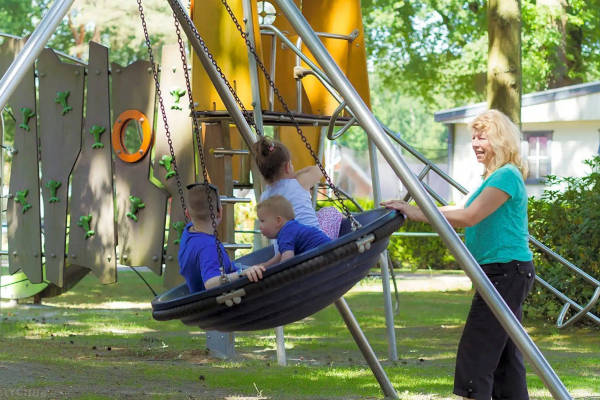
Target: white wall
572, 143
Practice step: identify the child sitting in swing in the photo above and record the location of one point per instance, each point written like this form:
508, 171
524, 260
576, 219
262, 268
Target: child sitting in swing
276, 217
198, 257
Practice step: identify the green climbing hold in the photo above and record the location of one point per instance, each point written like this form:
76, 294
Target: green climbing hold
178, 226
53, 186
20, 198
167, 162
27, 114
136, 204
177, 94
61, 98
85, 222
97, 130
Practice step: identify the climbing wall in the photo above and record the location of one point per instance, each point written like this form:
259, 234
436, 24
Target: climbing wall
141, 205
61, 115
176, 102
23, 207
92, 236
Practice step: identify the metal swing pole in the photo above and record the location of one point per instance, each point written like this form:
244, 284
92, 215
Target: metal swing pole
190, 31
438, 221
34, 46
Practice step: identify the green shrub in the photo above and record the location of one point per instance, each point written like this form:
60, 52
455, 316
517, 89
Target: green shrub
567, 219
412, 252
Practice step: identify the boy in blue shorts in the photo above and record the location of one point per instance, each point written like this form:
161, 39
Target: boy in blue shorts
276, 217
198, 258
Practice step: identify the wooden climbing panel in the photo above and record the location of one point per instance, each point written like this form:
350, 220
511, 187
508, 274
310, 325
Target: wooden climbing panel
141, 205
23, 207
61, 115
92, 236
176, 102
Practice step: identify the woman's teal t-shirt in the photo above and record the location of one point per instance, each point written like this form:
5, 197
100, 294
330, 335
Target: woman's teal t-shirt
503, 235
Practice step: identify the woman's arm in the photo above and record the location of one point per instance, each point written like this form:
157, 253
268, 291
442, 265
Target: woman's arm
309, 176
488, 201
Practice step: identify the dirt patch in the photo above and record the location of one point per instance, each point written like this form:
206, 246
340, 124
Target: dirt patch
33, 380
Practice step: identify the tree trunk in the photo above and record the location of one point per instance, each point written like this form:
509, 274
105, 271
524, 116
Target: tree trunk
504, 57
569, 43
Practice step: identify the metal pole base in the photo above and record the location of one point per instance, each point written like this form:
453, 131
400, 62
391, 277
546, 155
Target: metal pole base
365, 348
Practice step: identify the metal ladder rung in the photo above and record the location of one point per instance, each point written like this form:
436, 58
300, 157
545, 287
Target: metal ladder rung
221, 152
233, 200
237, 246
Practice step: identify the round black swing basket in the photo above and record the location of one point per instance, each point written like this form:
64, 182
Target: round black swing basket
289, 291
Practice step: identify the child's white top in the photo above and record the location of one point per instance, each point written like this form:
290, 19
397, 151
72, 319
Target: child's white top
298, 196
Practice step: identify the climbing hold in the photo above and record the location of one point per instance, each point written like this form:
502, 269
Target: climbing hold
167, 162
20, 198
96, 131
85, 222
53, 186
136, 204
177, 94
178, 226
61, 98
27, 114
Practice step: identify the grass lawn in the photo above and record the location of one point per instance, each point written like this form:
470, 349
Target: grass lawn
100, 342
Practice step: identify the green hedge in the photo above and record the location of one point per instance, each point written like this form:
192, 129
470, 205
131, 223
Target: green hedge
566, 219
413, 252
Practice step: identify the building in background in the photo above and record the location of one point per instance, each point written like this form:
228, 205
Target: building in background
561, 129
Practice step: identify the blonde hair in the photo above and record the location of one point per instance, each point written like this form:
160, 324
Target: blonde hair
197, 201
278, 206
505, 139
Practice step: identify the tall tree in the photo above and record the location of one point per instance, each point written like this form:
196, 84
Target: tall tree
504, 57
437, 50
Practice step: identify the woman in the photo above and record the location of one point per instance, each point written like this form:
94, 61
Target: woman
488, 364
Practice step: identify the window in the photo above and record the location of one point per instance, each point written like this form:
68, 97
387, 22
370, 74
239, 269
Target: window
536, 150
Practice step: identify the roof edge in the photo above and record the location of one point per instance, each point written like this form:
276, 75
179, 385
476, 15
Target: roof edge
529, 99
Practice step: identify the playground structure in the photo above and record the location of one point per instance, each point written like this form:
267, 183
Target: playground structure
305, 67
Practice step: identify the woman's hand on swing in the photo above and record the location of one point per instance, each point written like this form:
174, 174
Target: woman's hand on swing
413, 213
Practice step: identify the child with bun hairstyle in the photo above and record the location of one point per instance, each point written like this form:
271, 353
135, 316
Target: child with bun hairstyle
275, 165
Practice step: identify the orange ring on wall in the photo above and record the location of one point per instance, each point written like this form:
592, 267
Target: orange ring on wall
118, 136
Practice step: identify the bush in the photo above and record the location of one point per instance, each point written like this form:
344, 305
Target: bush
412, 252
567, 219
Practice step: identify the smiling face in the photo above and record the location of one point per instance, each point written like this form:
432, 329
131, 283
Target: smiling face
269, 223
482, 147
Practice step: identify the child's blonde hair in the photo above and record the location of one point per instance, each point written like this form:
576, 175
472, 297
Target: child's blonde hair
505, 138
278, 206
270, 155
197, 201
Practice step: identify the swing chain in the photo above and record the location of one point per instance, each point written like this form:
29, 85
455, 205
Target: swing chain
196, 126
355, 223
162, 107
248, 116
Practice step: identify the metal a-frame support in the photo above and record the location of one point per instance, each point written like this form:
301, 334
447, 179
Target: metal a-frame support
250, 137
414, 186
35, 44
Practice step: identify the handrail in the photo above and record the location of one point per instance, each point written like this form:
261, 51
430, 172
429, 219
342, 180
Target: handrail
430, 166
581, 310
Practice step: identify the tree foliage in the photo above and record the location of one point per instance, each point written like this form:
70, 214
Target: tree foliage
437, 49
566, 218
113, 24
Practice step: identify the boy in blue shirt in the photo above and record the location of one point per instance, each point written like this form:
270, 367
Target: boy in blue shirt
198, 258
276, 217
